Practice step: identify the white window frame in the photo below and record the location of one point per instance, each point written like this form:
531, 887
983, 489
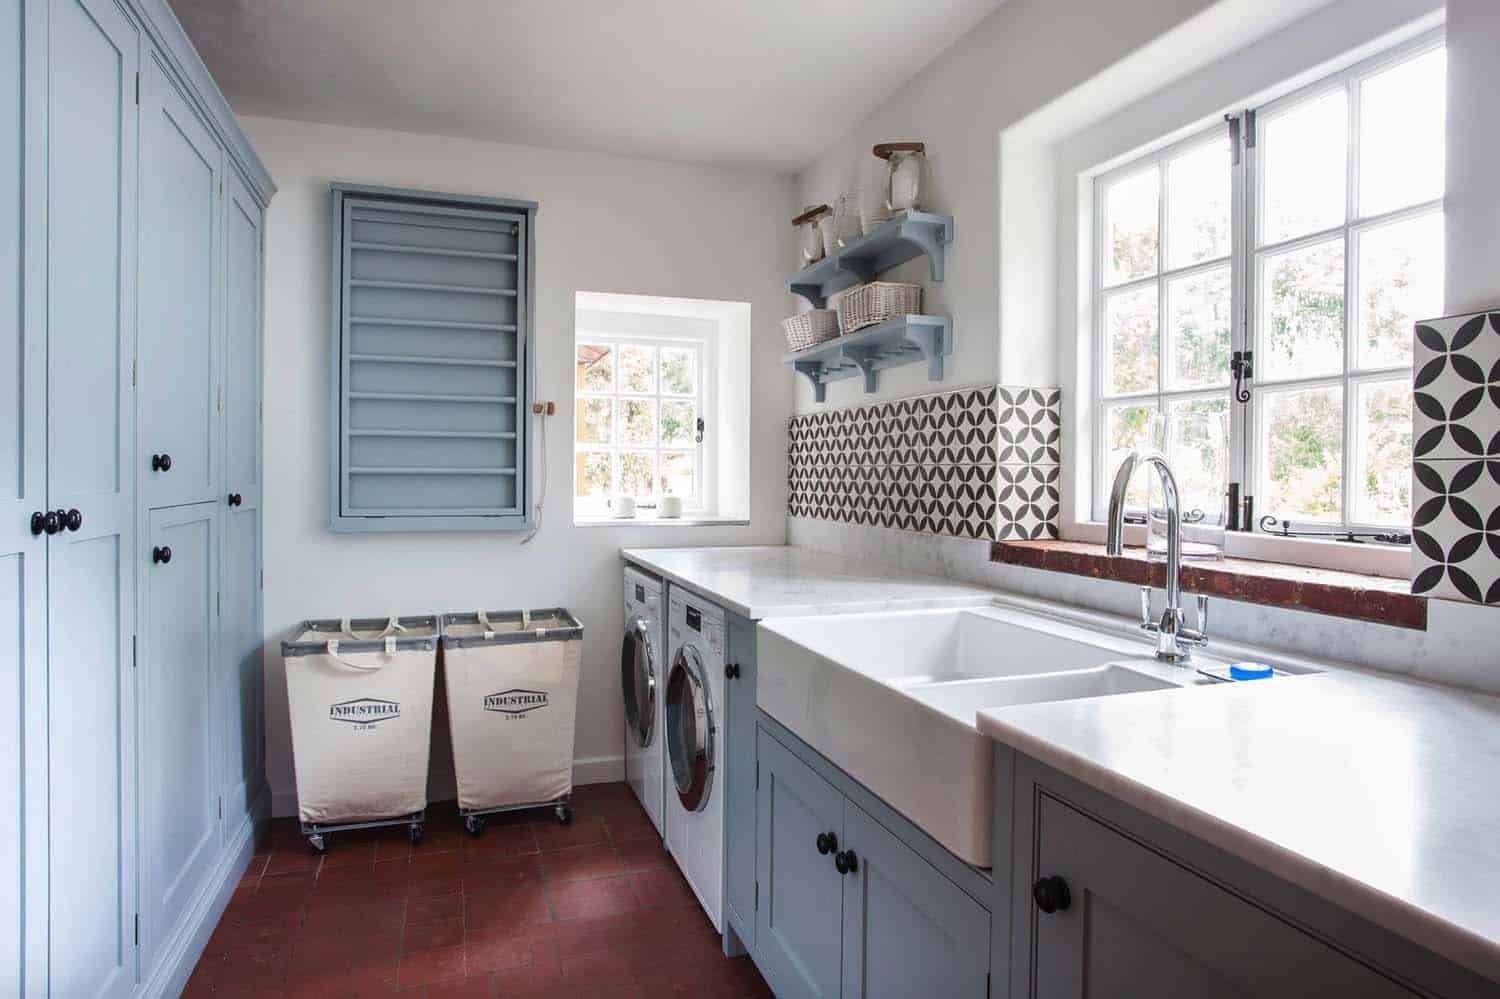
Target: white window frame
1246, 189
703, 503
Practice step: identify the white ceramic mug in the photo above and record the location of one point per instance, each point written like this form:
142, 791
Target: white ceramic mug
669, 507
623, 506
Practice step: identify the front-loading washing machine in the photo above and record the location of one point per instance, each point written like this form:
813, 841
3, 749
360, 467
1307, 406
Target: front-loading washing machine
694, 739
643, 683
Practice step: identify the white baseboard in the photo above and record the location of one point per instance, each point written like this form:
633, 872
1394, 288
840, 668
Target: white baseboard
442, 787
186, 943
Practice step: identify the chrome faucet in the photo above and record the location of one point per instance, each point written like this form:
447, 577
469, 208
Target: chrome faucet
1173, 638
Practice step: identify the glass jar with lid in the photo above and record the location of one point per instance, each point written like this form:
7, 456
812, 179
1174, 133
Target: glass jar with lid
809, 238
906, 174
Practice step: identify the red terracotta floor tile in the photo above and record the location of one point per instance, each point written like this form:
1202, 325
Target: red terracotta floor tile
431, 966
601, 897
593, 910
643, 855
433, 935
581, 863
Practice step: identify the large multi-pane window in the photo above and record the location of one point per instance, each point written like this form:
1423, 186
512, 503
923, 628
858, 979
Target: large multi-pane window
639, 421
1255, 291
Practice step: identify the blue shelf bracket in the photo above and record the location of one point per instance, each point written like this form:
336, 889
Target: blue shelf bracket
932, 239
864, 359
814, 372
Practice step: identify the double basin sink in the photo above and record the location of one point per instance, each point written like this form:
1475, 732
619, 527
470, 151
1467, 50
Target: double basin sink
892, 697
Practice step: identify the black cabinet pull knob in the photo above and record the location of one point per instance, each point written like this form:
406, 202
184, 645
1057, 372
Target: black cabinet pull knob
732, 671
161, 554
1051, 894
235, 499
39, 522
71, 519
827, 843
846, 862
161, 463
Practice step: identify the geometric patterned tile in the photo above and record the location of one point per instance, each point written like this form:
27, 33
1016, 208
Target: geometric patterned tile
1030, 425
927, 463
1456, 529
1029, 502
1457, 387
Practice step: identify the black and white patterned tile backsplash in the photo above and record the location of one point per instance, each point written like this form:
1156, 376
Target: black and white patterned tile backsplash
974, 463
1456, 472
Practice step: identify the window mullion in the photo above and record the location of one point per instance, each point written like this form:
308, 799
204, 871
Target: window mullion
1241, 244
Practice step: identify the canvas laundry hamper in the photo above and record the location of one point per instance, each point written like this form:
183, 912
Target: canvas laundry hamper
512, 681
360, 697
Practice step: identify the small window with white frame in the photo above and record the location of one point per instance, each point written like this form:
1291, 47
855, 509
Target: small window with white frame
1254, 292
640, 422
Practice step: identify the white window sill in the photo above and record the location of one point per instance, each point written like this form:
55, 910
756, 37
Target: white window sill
649, 519
1389, 561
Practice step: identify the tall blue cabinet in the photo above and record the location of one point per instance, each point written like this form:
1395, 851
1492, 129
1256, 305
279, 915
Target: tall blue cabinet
131, 219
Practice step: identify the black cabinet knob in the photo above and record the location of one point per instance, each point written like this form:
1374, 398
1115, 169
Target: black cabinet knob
732, 671
235, 499
161, 463
71, 519
1051, 894
39, 522
827, 843
846, 862
161, 554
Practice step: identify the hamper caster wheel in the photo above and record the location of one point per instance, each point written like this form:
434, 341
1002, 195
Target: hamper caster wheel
564, 813
318, 844
415, 831
475, 824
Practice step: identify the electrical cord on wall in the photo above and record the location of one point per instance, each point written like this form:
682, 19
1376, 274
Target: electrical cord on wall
540, 412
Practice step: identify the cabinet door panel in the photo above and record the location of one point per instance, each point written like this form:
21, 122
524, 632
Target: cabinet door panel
1140, 924
240, 651
179, 629
180, 170
799, 923
739, 816
92, 53
23, 556
908, 930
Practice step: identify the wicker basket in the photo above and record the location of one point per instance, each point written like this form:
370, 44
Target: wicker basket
810, 328
874, 303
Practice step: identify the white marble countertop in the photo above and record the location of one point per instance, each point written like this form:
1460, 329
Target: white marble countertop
781, 580
1380, 795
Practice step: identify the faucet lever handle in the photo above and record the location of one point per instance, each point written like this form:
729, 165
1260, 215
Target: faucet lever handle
1146, 607
1199, 635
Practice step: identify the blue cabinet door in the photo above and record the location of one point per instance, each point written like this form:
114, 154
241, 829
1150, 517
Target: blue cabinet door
908, 930
240, 627
23, 555
179, 628
799, 926
739, 814
92, 52
179, 327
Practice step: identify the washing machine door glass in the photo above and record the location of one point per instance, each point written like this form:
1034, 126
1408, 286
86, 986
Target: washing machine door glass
638, 681
690, 729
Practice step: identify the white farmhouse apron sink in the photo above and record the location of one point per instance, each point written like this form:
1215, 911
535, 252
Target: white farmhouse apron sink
891, 698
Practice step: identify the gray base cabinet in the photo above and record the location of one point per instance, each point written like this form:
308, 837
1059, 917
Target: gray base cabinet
130, 310
848, 909
1151, 911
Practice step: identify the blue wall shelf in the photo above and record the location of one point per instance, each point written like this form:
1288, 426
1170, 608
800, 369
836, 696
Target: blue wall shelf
898, 341
895, 242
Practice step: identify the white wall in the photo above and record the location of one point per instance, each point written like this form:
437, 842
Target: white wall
605, 224
1473, 195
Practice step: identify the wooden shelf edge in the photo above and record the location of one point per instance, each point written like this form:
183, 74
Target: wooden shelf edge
1355, 596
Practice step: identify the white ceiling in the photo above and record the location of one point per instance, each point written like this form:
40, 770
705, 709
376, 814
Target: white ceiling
765, 83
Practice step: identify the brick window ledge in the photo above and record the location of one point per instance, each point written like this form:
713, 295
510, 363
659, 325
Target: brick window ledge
1271, 584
